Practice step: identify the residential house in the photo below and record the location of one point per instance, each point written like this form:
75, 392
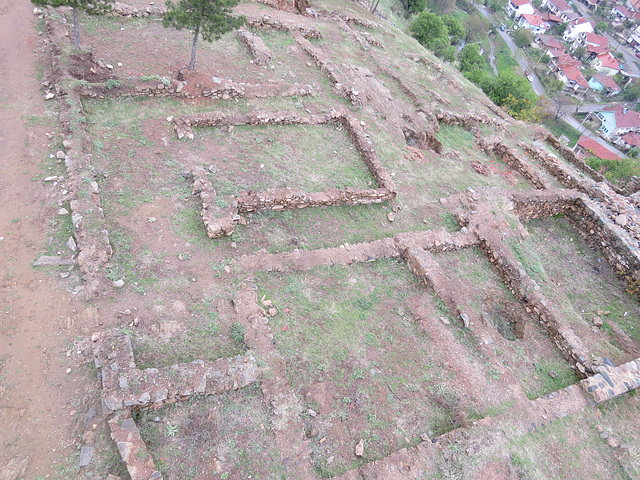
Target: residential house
633, 4
616, 120
515, 8
590, 40
620, 14
630, 140
604, 85
576, 27
569, 16
606, 64
571, 76
556, 6
550, 18
588, 147
534, 23
549, 42
591, 4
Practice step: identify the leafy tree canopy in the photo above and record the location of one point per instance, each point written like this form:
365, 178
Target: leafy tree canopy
602, 27
523, 37
210, 18
470, 59
454, 27
414, 6
428, 29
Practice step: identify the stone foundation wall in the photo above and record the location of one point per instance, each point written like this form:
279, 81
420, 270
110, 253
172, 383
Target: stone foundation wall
261, 54
469, 120
267, 23
89, 225
132, 449
570, 156
611, 381
511, 156
126, 386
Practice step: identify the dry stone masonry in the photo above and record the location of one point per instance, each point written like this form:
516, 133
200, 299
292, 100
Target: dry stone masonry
221, 221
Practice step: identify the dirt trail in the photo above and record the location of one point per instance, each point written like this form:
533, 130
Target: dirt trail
34, 390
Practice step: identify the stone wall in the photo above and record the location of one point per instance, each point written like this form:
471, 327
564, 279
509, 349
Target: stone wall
261, 54
511, 156
89, 225
570, 156
284, 25
131, 447
124, 386
221, 220
611, 381
469, 120
592, 221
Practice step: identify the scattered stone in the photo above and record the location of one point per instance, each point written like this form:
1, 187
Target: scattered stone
597, 321
151, 219
267, 303
49, 96
391, 217
553, 374
52, 178
613, 442
68, 370
445, 320
89, 416
312, 413
330, 459
118, 283
63, 211
360, 448
60, 155
621, 219
64, 274
273, 311
52, 260
314, 432
465, 319
71, 245
85, 456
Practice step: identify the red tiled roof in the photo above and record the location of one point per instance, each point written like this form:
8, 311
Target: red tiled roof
597, 149
580, 21
550, 42
520, 3
573, 73
597, 49
566, 60
572, 15
631, 119
609, 61
607, 82
632, 138
560, 5
533, 20
596, 39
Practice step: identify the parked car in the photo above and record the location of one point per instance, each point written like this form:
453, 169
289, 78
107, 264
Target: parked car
530, 77
503, 27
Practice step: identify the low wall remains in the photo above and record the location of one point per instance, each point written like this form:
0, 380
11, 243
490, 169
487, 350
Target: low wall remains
611, 381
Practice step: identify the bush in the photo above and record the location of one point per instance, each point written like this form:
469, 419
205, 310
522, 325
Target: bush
614, 170
523, 37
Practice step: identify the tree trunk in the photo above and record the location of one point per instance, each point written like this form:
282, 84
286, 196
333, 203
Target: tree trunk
192, 63
76, 29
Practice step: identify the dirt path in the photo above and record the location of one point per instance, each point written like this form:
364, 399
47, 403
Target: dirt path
34, 390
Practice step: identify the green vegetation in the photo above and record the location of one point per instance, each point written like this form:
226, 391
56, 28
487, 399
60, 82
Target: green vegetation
433, 33
92, 7
617, 171
209, 18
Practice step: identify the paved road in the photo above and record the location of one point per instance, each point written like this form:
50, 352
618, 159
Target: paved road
517, 53
578, 126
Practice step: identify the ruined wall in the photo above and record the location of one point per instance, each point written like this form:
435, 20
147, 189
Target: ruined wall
261, 54
511, 156
611, 381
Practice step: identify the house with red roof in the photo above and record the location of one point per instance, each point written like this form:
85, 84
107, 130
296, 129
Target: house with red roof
571, 76
556, 6
533, 22
606, 64
588, 147
604, 85
515, 8
549, 42
630, 140
620, 14
616, 120
633, 4
569, 16
550, 18
576, 27
590, 40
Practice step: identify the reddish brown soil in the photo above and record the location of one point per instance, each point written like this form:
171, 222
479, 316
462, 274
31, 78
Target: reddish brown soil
35, 392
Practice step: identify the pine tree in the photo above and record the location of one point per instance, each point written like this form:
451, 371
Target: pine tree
92, 7
209, 18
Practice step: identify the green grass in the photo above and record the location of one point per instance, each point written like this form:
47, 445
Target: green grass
350, 330
559, 128
504, 58
213, 437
